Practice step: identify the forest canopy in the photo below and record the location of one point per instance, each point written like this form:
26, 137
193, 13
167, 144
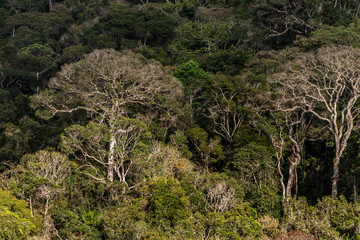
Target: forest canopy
190, 119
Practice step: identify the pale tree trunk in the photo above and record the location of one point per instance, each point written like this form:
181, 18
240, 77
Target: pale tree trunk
297, 148
292, 177
327, 84
37, 82
278, 164
278, 143
335, 178
292, 122
110, 167
50, 4
341, 135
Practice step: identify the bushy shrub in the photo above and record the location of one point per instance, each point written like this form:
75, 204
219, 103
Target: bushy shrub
16, 219
328, 219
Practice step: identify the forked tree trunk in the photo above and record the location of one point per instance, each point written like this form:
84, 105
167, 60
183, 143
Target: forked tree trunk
297, 148
292, 177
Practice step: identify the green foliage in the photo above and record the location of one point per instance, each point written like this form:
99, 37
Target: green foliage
255, 167
127, 221
180, 141
155, 159
168, 203
328, 219
30, 28
195, 81
123, 27
239, 223
282, 30
73, 53
230, 61
39, 60
340, 35
74, 225
156, 53
93, 133
7, 107
194, 39
29, 5
16, 219
40, 179
19, 139
208, 150
31, 39
192, 76
127, 109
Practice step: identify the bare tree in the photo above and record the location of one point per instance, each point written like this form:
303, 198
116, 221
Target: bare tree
296, 125
106, 85
276, 136
46, 173
289, 118
287, 17
221, 198
228, 105
326, 83
225, 115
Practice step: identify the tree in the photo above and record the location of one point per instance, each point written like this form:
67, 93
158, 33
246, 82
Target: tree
41, 59
111, 150
226, 108
40, 179
255, 168
108, 86
17, 222
195, 81
43, 175
124, 27
209, 150
286, 129
284, 20
327, 84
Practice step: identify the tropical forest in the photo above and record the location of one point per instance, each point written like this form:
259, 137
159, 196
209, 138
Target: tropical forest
179, 119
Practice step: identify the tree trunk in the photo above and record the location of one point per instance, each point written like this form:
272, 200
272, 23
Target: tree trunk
291, 179
110, 167
281, 179
338, 151
37, 82
335, 178
50, 4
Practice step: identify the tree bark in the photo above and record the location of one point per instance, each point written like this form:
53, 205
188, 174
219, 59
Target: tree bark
50, 4
327, 84
335, 178
110, 168
291, 179
297, 148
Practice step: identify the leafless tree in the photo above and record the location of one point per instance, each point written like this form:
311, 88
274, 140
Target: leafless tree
221, 197
226, 118
106, 85
327, 84
228, 105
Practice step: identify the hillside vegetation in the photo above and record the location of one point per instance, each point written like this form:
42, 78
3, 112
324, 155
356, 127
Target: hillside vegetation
185, 119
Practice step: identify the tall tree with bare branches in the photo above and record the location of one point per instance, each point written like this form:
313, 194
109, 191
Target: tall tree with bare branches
326, 83
108, 86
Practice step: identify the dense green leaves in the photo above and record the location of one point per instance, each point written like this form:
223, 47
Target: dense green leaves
124, 27
171, 121
17, 221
